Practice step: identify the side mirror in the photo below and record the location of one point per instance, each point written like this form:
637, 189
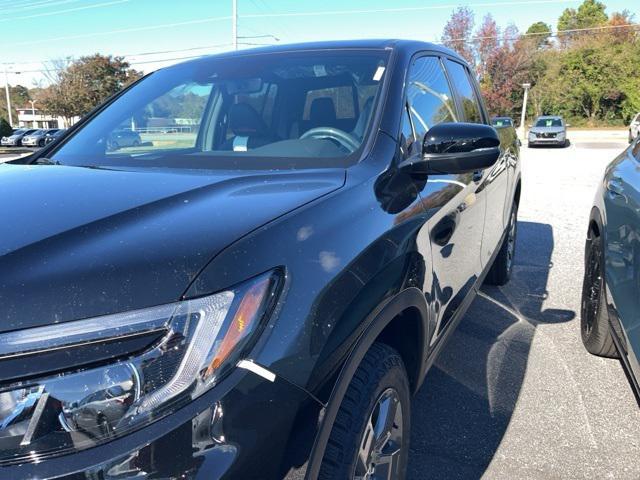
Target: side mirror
451, 148
530, 125
567, 125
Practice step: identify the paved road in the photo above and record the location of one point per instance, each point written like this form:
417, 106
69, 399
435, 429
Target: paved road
514, 395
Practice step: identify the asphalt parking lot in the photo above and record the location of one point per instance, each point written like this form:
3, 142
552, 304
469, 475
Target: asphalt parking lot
514, 394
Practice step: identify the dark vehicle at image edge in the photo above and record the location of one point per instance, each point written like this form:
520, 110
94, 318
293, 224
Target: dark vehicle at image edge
259, 299
610, 304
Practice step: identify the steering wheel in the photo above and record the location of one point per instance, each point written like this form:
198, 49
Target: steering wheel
345, 139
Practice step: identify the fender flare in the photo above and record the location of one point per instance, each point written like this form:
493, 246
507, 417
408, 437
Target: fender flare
376, 321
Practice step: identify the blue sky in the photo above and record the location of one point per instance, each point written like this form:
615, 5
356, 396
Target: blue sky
32, 31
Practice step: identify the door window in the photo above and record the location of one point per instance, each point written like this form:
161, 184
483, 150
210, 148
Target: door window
429, 96
468, 99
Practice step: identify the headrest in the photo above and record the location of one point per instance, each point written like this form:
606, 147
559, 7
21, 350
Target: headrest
323, 112
244, 120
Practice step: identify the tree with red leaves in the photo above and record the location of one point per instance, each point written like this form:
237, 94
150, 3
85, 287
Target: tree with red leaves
457, 33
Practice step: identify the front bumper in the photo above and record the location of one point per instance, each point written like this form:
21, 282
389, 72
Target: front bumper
546, 141
245, 427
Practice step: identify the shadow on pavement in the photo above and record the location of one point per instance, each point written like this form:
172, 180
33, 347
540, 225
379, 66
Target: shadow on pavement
465, 404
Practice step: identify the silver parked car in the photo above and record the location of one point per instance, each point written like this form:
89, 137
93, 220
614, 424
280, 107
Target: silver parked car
548, 130
36, 139
15, 139
634, 128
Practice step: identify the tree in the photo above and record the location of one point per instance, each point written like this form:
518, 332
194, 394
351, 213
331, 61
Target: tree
620, 21
457, 33
540, 32
486, 42
590, 14
80, 86
5, 128
19, 96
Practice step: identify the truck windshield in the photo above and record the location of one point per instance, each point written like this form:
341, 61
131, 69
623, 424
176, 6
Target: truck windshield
298, 109
549, 122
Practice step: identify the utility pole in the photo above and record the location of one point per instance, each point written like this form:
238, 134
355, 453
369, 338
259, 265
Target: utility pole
6, 89
234, 23
33, 113
526, 87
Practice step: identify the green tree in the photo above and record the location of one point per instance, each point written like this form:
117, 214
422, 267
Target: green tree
82, 85
591, 13
540, 32
19, 96
5, 128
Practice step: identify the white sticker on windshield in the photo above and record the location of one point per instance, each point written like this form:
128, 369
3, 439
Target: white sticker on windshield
320, 71
378, 75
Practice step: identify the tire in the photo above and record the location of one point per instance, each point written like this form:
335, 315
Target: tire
502, 267
594, 318
41, 143
380, 381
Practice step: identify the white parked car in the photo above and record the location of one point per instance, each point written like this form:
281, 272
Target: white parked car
634, 128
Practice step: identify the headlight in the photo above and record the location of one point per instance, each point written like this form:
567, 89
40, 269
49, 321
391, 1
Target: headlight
197, 342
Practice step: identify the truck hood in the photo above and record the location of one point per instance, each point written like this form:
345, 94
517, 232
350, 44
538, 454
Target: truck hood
80, 242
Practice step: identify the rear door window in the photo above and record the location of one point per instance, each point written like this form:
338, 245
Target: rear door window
469, 101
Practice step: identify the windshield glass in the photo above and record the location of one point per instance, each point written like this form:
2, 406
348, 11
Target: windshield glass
279, 110
502, 122
549, 122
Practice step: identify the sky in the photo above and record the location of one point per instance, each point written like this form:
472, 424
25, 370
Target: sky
35, 32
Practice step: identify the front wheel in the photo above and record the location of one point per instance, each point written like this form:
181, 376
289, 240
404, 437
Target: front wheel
594, 321
370, 436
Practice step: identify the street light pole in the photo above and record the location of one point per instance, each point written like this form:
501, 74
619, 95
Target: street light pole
6, 89
234, 23
526, 87
33, 113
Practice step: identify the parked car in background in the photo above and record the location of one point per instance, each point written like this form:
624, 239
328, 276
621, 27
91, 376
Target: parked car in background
634, 128
502, 122
262, 301
610, 323
15, 139
36, 139
50, 137
548, 130
123, 138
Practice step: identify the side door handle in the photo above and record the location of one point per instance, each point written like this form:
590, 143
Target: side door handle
615, 187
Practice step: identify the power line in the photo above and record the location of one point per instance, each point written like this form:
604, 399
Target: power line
123, 30
405, 9
133, 63
60, 12
559, 33
32, 5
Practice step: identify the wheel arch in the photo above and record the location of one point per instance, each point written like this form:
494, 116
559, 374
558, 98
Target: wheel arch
518, 189
401, 323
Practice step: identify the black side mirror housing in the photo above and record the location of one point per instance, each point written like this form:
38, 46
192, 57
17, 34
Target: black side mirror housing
452, 148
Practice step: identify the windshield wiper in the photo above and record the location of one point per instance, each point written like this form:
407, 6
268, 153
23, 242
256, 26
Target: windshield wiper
46, 161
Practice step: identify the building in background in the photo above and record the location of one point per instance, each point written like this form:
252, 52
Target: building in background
35, 118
